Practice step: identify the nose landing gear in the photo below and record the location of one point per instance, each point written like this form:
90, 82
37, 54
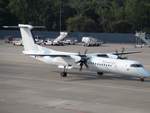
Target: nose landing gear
64, 73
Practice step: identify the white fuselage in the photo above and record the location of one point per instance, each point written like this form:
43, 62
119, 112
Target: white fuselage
118, 66
106, 65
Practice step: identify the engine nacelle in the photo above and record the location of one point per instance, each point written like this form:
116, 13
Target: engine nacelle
112, 56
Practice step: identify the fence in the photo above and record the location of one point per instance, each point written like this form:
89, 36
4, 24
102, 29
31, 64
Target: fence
106, 37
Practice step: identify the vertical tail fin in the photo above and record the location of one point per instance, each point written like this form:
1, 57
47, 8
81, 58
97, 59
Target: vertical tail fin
28, 42
27, 37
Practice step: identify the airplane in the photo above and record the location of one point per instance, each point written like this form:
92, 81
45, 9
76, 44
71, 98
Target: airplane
99, 62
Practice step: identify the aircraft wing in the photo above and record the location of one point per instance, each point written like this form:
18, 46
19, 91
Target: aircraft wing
114, 53
76, 57
73, 57
51, 55
125, 53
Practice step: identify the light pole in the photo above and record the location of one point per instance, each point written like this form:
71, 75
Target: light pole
60, 15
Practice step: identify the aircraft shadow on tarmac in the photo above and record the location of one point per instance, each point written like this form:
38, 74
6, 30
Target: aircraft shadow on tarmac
80, 76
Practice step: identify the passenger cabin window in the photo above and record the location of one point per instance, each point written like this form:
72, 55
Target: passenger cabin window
103, 55
136, 65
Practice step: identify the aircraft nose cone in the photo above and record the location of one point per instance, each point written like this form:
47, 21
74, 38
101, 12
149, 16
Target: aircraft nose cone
143, 73
146, 73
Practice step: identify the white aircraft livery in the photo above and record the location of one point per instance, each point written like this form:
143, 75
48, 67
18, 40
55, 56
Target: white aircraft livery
99, 62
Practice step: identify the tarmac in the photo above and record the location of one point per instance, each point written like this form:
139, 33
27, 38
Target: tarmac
31, 86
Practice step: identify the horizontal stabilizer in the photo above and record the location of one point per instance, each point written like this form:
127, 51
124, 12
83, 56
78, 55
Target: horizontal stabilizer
16, 27
124, 53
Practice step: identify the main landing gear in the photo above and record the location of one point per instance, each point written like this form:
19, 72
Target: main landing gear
142, 79
64, 73
99, 74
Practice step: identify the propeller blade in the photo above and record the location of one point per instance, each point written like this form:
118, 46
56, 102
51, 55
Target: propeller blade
120, 54
79, 53
86, 65
81, 66
117, 52
85, 52
123, 49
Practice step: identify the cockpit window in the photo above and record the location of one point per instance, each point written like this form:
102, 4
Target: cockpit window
136, 65
103, 55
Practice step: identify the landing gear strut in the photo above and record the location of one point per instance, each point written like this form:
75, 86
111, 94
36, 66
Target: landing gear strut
64, 73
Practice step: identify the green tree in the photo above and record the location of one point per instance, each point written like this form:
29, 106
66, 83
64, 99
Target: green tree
7, 18
82, 24
79, 15
29, 11
137, 12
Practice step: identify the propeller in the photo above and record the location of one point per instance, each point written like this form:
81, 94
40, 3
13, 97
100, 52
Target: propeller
83, 61
120, 54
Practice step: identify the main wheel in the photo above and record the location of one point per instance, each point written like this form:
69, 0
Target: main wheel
100, 73
63, 74
142, 79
